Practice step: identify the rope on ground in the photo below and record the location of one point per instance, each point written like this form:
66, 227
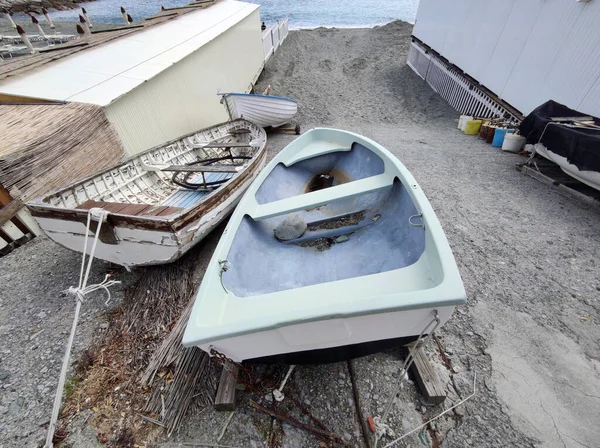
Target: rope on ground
79, 293
380, 425
394, 442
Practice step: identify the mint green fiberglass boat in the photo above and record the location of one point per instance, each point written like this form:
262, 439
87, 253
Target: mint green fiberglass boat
367, 269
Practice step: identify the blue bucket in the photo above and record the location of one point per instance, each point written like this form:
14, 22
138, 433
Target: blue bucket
499, 136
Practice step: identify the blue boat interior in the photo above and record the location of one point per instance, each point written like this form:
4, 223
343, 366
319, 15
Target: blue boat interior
375, 232
185, 198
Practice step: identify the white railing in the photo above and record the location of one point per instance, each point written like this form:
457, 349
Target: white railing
273, 36
267, 43
457, 89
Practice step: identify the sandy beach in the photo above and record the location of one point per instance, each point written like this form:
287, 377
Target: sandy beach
528, 257
60, 27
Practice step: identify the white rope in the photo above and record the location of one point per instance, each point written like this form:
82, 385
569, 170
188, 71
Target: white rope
79, 293
394, 442
380, 425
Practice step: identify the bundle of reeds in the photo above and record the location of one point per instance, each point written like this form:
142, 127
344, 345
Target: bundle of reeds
141, 355
47, 146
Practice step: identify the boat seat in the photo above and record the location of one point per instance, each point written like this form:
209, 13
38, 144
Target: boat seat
130, 209
321, 197
203, 168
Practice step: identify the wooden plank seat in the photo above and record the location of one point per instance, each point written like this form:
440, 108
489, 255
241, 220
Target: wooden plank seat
130, 209
226, 145
203, 168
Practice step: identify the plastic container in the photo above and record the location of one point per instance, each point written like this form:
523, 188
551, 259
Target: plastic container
472, 127
462, 121
483, 130
499, 136
489, 136
513, 143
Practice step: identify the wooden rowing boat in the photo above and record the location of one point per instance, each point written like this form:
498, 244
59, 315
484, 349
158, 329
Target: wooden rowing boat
333, 252
264, 110
160, 202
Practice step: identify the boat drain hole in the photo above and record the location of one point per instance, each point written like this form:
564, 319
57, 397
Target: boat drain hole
320, 182
333, 177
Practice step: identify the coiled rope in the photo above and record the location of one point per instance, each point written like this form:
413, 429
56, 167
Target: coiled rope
79, 293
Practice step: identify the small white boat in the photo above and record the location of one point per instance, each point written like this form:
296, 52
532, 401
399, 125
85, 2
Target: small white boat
160, 202
365, 264
264, 110
591, 178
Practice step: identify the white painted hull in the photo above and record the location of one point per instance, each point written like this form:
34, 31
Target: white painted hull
591, 178
141, 247
153, 215
328, 333
263, 110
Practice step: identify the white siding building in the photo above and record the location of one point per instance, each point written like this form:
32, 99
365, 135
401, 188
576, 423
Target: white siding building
524, 51
158, 82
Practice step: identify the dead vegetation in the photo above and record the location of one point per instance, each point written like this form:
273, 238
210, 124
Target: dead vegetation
137, 379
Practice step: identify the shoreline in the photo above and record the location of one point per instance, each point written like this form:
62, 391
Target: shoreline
348, 27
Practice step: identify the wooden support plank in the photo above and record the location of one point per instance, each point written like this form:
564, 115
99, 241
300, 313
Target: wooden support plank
225, 398
9, 211
12, 231
3, 244
432, 388
28, 220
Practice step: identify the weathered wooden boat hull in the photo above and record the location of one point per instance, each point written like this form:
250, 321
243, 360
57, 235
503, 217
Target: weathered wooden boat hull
142, 247
264, 110
163, 222
591, 178
372, 267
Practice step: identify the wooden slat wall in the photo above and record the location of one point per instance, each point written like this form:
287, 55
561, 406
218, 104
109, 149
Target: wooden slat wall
16, 225
47, 146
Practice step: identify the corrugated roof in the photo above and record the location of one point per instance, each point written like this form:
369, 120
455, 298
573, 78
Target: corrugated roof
115, 63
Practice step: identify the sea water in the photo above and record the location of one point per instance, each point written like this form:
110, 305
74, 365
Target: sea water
302, 13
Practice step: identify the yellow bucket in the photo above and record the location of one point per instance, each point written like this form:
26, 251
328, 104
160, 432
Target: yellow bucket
472, 127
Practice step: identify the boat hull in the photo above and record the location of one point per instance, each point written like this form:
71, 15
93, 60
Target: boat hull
370, 267
591, 178
142, 247
150, 218
263, 110
331, 340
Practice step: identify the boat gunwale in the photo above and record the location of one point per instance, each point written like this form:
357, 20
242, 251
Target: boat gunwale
173, 222
450, 290
225, 95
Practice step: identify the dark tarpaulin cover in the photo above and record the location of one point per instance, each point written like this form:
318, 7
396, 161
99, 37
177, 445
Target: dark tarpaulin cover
580, 146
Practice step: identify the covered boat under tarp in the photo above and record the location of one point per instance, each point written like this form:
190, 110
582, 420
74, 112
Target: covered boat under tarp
368, 269
570, 144
160, 202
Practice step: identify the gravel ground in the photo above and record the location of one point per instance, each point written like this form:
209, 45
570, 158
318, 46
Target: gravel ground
528, 256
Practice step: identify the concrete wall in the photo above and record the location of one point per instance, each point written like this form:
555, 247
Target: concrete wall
184, 97
525, 51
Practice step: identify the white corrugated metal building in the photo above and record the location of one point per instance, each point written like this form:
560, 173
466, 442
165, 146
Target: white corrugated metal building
524, 51
161, 81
